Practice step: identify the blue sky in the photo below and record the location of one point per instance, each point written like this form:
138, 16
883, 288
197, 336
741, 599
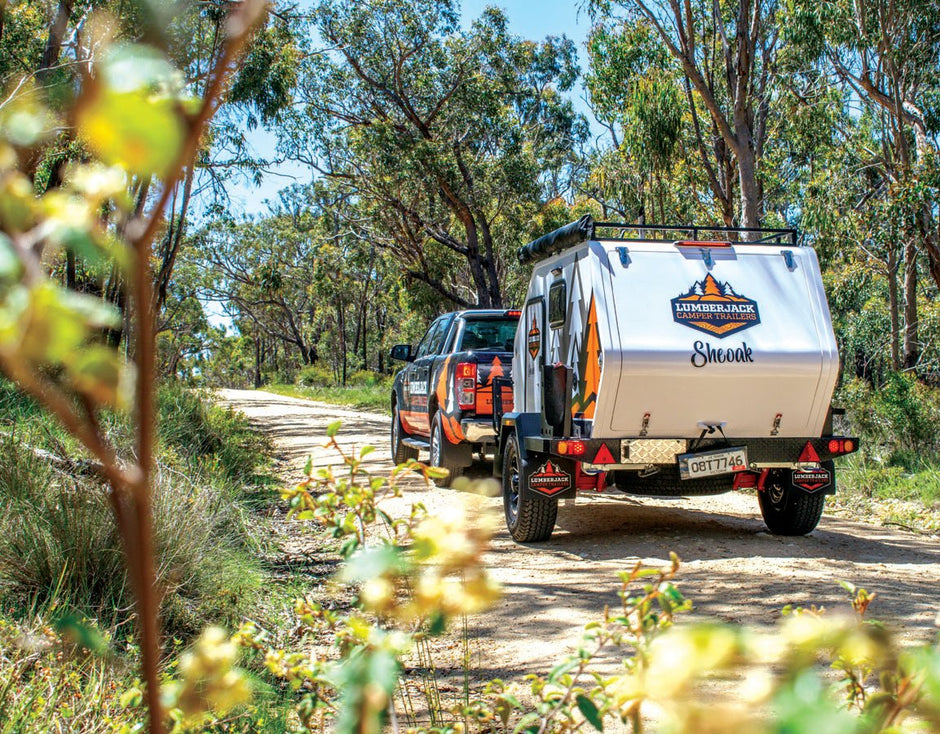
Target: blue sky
527, 18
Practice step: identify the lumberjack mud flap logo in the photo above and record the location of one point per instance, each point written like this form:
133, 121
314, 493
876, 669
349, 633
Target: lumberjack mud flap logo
549, 479
715, 308
811, 480
534, 340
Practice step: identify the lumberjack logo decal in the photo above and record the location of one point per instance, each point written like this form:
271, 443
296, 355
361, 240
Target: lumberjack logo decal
534, 339
549, 479
715, 308
811, 479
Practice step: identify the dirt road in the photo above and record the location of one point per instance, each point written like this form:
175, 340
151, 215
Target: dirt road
732, 569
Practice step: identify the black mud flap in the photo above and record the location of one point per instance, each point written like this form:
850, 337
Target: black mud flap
815, 481
550, 476
456, 454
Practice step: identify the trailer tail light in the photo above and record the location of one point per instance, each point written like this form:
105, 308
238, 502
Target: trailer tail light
465, 385
571, 448
517, 314
840, 446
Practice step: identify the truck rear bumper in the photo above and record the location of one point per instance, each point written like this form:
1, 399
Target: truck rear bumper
478, 430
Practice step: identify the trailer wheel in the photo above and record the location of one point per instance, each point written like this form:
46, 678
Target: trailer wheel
788, 511
439, 454
400, 452
529, 518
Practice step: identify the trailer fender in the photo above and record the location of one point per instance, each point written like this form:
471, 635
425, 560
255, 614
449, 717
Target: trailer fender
523, 424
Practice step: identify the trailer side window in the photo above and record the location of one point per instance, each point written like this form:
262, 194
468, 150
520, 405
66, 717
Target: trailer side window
557, 300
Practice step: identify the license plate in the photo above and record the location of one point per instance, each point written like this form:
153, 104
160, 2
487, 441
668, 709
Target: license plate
713, 463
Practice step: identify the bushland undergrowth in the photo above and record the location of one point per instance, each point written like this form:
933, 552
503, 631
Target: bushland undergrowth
896, 475
67, 651
411, 580
415, 576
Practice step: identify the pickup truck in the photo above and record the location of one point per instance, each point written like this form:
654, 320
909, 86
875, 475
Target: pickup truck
442, 401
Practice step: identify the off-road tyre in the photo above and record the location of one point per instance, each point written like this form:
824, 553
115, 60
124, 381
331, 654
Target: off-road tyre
789, 511
529, 518
439, 454
666, 483
400, 452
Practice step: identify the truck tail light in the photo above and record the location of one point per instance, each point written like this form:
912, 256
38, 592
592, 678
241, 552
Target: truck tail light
465, 385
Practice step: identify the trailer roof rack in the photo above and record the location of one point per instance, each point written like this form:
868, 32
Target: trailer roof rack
645, 232
587, 229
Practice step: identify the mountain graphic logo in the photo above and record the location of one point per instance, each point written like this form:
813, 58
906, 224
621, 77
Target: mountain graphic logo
549, 479
715, 308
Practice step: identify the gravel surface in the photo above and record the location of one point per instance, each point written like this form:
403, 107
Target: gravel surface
732, 569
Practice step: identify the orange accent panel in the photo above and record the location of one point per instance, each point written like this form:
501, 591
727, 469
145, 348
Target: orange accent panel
415, 421
441, 391
484, 404
452, 430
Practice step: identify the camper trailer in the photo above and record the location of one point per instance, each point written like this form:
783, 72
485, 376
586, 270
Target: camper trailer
670, 361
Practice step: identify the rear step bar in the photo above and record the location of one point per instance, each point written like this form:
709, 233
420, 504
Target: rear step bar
416, 443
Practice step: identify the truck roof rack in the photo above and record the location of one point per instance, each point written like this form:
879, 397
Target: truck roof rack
587, 229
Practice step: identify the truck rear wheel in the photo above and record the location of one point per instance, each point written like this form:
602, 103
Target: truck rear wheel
529, 518
400, 452
788, 511
439, 454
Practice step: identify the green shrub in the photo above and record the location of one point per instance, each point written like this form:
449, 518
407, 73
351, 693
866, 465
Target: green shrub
899, 422
197, 429
315, 376
58, 539
365, 378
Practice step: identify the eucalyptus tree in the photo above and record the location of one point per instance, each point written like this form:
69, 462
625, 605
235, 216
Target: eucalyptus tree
46, 49
886, 55
727, 54
663, 153
260, 272
444, 138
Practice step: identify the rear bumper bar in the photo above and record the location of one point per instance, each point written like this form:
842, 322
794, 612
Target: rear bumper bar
631, 453
478, 430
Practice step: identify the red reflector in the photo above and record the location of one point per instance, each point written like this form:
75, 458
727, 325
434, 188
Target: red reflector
809, 455
701, 243
466, 369
603, 456
517, 314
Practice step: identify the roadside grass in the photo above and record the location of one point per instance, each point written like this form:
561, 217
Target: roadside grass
907, 496
62, 571
374, 398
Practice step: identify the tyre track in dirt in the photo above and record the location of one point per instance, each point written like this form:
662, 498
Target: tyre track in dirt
732, 569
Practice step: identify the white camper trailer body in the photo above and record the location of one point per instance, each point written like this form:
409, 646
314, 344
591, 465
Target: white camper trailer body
671, 365
654, 354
